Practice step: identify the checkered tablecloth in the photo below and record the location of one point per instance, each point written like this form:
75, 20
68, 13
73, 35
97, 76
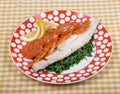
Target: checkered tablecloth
13, 12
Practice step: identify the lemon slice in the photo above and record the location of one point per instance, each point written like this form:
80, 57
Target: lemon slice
36, 34
49, 25
40, 27
31, 34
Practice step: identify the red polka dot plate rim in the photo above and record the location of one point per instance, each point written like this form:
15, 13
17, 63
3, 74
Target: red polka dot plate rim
85, 70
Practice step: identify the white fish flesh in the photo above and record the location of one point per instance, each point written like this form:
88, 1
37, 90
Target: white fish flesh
66, 48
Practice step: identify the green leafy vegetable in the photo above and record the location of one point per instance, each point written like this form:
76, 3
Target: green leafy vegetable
74, 58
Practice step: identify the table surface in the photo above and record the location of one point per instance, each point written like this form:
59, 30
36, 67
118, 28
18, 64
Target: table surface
12, 13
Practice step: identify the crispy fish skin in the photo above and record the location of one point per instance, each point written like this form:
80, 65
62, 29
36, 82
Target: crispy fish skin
69, 46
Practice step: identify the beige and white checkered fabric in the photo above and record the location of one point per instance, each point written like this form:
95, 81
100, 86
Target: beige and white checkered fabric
13, 12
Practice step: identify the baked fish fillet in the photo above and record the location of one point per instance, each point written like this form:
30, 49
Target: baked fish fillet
66, 48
